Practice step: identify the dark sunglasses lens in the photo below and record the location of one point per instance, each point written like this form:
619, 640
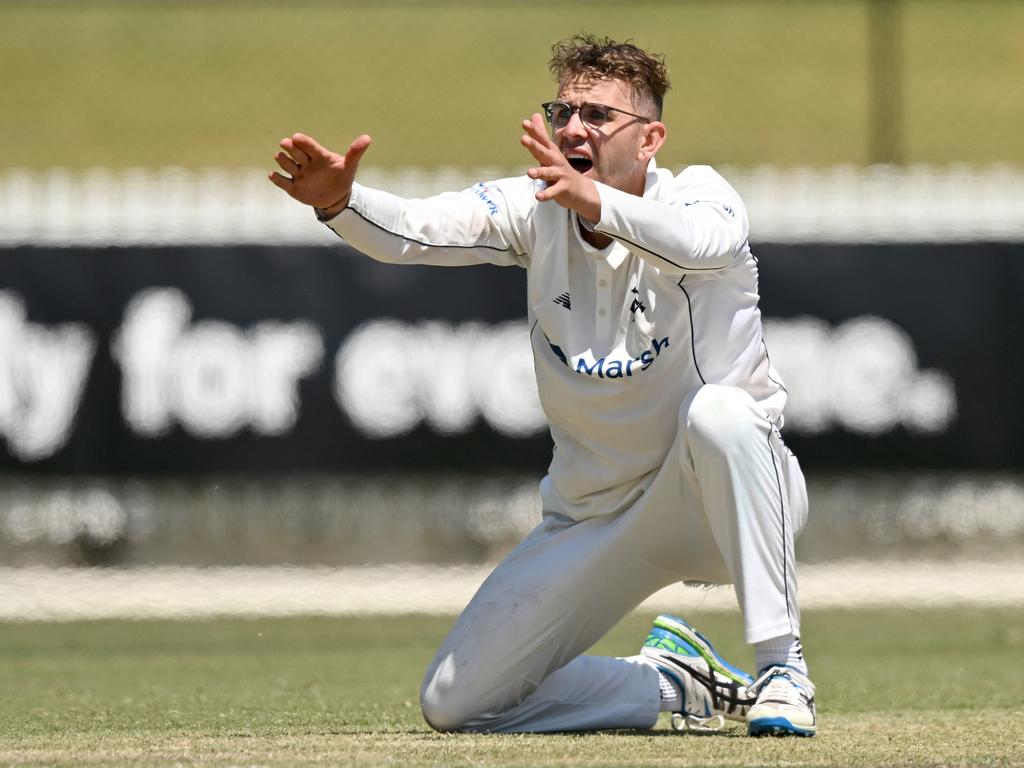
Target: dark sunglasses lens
593, 115
559, 115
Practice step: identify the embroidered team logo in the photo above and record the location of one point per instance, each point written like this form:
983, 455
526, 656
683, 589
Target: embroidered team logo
564, 301
636, 306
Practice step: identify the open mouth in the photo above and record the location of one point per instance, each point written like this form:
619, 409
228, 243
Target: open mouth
581, 164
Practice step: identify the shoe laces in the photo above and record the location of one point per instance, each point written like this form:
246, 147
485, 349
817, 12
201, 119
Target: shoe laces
693, 724
783, 685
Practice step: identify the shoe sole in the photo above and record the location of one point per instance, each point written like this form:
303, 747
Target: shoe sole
703, 646
778, 726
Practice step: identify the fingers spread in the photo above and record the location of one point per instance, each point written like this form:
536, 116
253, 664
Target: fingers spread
557, 181
357, 149
539, 144
551, 191
536, 130
540, 130
287, 164
543, 155
308, 146
546, 173
362, 143
281, 181
531, 146
298, 154
537, 141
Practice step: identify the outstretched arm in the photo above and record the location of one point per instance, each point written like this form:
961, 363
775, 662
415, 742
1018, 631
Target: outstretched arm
316, 175
471, 227
701, 228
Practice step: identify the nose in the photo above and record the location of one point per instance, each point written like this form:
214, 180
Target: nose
575, 126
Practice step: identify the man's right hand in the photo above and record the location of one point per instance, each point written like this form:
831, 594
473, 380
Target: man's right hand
319, 177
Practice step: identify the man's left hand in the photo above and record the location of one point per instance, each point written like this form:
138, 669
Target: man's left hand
565, 185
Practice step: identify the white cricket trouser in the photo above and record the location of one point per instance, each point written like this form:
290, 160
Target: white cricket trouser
725, 507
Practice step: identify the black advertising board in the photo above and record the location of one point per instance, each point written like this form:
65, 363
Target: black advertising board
179, 360
959, 306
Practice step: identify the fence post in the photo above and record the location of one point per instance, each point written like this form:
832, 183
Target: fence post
885, 70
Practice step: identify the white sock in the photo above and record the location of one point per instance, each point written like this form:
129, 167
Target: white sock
784, 650
671, 698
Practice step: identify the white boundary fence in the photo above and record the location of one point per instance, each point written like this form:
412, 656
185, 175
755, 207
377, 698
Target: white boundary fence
63, 594
215, 206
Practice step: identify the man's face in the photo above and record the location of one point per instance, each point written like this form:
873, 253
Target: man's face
613, 153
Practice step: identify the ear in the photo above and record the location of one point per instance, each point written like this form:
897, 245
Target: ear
651, 139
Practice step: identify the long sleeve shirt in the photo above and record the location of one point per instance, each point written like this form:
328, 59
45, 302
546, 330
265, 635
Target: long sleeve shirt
620, 335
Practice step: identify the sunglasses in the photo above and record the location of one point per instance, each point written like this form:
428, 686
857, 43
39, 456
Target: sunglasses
559, 113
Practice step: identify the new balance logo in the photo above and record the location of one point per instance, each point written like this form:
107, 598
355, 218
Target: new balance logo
564, 301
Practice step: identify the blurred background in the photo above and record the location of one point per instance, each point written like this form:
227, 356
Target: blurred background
194, 373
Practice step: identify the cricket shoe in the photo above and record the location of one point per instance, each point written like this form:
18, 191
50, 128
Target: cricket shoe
784, 705
711, 689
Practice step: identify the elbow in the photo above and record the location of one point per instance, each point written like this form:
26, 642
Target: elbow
720, 249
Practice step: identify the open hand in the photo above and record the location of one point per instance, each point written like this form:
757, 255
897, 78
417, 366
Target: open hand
565, 185
316, 175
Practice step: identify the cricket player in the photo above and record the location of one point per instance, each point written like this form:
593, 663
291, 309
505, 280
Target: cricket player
663, 405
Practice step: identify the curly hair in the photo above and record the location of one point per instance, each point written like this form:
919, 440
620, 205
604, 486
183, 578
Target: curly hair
587, 57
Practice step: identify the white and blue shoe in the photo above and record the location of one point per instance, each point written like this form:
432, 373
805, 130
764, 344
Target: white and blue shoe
784, 705
711, 688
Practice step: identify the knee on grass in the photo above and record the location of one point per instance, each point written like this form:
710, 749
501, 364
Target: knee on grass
447, 707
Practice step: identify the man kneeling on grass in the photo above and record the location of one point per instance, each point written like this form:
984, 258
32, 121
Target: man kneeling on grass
664, 408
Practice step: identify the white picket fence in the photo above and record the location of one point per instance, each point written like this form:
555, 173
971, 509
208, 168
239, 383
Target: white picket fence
64, 594
216, 206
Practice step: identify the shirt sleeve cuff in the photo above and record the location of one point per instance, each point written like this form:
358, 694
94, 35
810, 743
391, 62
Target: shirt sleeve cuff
611, 201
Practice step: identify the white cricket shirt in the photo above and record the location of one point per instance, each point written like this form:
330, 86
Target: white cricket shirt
621, 335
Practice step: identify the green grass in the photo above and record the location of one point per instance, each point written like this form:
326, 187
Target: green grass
195, 84
895, 688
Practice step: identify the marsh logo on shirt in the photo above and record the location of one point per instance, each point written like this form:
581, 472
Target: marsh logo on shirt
614, 368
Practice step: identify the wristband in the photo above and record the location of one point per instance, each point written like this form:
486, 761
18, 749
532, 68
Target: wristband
323, 216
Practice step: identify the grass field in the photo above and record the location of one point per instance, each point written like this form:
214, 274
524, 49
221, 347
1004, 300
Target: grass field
120, 83
895, 688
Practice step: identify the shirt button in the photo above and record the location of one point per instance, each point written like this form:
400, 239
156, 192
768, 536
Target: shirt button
602, 311
602, 283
